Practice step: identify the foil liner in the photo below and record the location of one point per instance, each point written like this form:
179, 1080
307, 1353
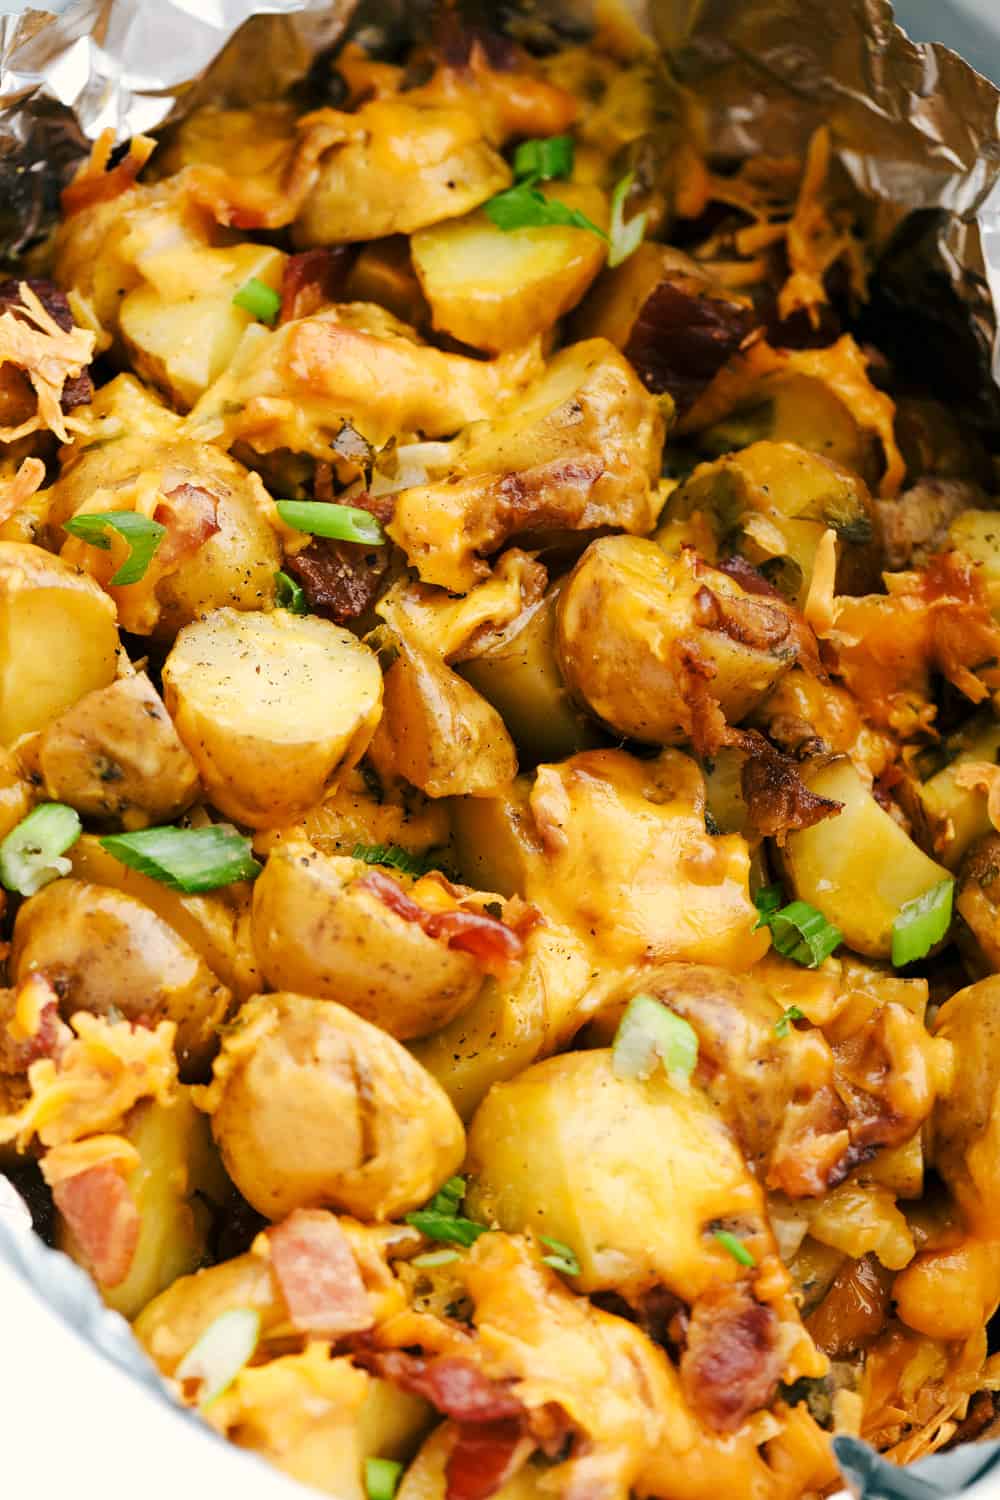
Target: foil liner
915, 130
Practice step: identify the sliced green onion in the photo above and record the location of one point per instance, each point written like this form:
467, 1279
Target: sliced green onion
31, 854
921, 923
449, 1228
798, 930
649, 1034
524, 207
395, 858
142, 534
543, 159
220, 1354
783, 1024
449, 1199
382, 1475
344, 523
435, 1258
259, 300
563, 1257
625, 238
735, 1246
186, 859
290, 595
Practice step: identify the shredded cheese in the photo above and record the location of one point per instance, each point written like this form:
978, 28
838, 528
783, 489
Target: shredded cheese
31, 339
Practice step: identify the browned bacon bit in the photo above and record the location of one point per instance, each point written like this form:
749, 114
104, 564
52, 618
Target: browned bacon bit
484, 1456
454, 1386
682, 338
732, 1362
313, 280
97, 181
491, 942
190, 515
751, 622
749, 578
315, 1268
47, 1040
341, 580
778, 800
99, 1208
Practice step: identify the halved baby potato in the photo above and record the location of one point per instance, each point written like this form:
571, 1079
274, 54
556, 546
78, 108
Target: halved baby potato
860, 867
272, 707
58, 638
495, 288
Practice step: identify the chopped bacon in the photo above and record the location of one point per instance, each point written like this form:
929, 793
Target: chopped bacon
454, 1386
317, 1273
733, 1360
103, 1216
190, 515
778, 800
313, 280
749, 578
340, 579
484, 1456
97, 181
752, 622
493, 944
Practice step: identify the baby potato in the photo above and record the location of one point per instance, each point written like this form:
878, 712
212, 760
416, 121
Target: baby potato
964, 1146
518, 674
312, 1106
216, 924
172, 1322
319, 931
630, 1174
631, 622
58, 638
272, 707
496, 289
437, 732
115, 755
178, 1171
859, 867
105, 951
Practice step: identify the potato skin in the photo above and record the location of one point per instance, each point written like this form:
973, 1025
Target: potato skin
963, 1129
58, 638
272, 707
319, 932
312, 1106
115, 755
638, 632
101, 949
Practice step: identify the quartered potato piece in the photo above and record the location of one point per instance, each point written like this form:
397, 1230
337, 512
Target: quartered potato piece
273, 708
58, 638
496, 289
858, 868
311, 1105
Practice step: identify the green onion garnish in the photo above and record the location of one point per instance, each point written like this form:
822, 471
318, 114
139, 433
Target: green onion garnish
440, 1220
783, 1024
344, 523
220, 1354
290, 595
798, 930
382, 1475
449, 1199
563, 1257
394, 857
31, 854
435, 1258
649, 1034
186, 859
921, 923
543, 159
625, 238
735, 1246
259, 300
142, 534
524, 207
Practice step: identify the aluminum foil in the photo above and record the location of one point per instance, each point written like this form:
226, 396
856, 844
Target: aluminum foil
916, 130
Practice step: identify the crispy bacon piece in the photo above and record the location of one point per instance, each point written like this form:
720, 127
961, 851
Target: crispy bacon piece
485, 1455
190, 515
750, 622
750, 579
100, 1210
341, 580
454, 1386
99, 182
493, 944
778, 800
733, 1361
681, 338
317, 1273
312, 280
